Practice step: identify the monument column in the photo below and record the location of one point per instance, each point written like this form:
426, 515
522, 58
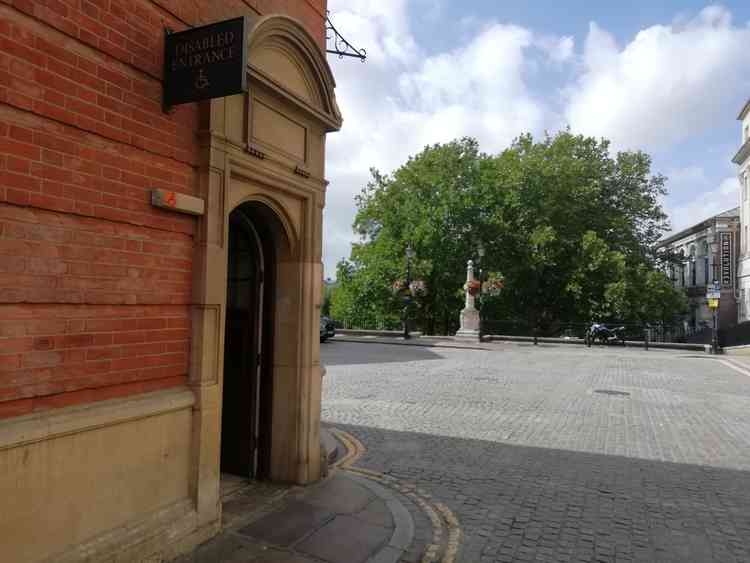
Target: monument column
469, 314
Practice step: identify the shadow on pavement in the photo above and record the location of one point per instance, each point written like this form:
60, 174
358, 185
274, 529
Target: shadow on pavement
517, 502
334, 353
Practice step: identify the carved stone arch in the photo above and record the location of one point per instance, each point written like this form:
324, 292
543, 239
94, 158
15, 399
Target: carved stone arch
281, 52
290, 236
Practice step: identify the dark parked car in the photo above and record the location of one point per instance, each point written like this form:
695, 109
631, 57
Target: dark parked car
330, 327
323, 330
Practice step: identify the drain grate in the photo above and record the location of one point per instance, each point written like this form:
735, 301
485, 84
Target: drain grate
612, 392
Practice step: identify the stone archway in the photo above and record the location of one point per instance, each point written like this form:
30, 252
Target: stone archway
263, 152
247, 386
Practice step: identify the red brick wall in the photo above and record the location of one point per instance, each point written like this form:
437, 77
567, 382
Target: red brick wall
94, 281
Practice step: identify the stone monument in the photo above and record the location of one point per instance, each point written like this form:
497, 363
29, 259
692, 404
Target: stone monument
469, 314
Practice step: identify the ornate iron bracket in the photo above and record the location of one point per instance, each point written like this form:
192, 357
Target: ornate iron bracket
341, 46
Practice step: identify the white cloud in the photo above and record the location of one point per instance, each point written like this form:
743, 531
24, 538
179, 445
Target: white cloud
667, 84
730, 187
688, 180
703, 202
559, 49
381, 27
403, 99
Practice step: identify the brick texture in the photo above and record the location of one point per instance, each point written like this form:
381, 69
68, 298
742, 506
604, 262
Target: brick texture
94, 281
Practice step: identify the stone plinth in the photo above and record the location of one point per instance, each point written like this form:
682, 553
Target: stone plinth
469, 323
469, 314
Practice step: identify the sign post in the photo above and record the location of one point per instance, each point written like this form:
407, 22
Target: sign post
205, 62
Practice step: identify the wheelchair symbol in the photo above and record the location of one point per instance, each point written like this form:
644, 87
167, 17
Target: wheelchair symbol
201, 81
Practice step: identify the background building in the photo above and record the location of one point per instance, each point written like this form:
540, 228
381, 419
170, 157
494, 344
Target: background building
700, 255
742, 158
145, 352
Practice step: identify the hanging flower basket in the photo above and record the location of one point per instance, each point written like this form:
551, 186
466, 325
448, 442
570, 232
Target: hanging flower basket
416, 288
399, 287
472, 287
493, 286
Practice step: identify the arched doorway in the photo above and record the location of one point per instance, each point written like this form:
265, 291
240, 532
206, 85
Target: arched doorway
247, 386
265, 149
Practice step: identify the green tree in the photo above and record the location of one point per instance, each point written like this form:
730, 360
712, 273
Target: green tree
430, 203
572, 223
570, 227
325, 306
363, 298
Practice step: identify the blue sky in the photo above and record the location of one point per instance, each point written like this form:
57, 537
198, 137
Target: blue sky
665, 77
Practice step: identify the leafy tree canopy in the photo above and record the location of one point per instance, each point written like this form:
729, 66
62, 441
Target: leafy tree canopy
570, 227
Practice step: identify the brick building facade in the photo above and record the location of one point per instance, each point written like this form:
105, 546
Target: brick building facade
113, 312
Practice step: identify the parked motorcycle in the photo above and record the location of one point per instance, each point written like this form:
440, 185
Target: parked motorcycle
604, 335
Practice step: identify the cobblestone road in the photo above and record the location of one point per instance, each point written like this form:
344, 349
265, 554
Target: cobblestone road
538, 465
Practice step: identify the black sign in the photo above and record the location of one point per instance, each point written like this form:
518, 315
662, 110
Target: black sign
205, 62
726, 259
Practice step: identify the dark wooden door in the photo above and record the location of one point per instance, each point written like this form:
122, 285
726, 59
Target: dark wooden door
242, 350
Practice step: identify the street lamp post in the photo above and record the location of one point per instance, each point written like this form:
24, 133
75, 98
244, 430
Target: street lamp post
480, 253
407, 298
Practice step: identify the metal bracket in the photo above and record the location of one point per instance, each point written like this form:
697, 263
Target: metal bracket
341, 46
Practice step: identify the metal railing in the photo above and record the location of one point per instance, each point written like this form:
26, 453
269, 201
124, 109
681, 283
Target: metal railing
654, 332
380, 324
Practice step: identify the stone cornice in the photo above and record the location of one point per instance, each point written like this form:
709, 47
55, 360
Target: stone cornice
704, 225
743, 154
71, 420
744, 111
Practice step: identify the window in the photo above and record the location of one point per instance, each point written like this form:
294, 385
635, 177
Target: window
705, 268
705, 261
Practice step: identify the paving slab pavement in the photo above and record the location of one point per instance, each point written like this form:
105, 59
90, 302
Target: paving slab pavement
343, 519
